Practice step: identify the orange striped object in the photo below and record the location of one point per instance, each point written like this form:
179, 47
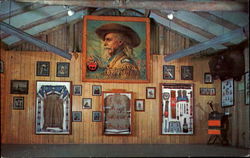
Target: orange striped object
214, 123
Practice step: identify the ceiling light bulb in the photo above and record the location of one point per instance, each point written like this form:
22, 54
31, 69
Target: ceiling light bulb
71, 12
170, 16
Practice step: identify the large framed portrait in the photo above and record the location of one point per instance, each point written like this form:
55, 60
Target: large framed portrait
177, 104
118, 112
53, 107
247, 89
19, 87
227, 93
116, 49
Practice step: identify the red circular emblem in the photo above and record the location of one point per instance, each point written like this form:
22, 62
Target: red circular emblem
92, 65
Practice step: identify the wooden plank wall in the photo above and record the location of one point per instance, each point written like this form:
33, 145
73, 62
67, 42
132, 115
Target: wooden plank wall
18, 126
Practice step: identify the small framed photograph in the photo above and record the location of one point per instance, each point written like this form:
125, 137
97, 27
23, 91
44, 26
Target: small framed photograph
86, 103
76, 116
96, 90
187, 72
96, 116
208, 78
42, 68
18, 103
247, 89
150, 92
19, 86
168, 72
227, 93
77, 89
203, 91
62, 69
139, 105
1, 66
212, 91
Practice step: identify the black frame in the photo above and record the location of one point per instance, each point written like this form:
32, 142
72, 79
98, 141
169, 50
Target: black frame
184, 75
168, 75
99, 118
83, 102
42, 68
74, 119
17, 98
207, 91
65, 72
75, 92
206, 75
23, 90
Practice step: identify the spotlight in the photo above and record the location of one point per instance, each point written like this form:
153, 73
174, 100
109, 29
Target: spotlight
170, 16
70, 12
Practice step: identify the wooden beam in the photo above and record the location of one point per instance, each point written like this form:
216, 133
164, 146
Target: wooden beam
41, 21
218, 20
27, 37
242, 32
150, 4
21, 11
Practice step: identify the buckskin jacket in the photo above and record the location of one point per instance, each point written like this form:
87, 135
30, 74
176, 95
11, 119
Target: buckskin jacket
122, 67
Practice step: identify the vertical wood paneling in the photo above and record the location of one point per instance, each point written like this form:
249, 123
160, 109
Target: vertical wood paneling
22, 65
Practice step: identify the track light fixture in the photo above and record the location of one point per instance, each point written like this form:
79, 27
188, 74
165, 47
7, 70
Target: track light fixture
70, 12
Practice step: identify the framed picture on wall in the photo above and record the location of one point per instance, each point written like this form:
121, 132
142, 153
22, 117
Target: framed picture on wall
208, 78
18, 103
227, 93
86, 103
77, 90
187, 72
128, 62
19, 87
96, 90
176, 108
168, 72
76, 116
150, 92
247, 89
96, 116
139, 105
62, 69
118, 112
53, 107
1, 66
42, 68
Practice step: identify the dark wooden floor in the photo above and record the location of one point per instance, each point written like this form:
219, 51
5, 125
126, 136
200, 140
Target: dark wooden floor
97, 150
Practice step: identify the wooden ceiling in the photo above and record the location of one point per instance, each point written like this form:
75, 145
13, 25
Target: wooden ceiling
199, 20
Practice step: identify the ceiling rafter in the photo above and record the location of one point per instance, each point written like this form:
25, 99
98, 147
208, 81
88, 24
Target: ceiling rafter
22, 10
188, 26
150, 4
218, 20
41, 21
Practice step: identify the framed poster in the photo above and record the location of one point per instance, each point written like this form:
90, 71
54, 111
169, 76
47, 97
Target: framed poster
208, 78
62, 69
96, 116
247, 89
140, 105
18, 103
176, 106
116, 49
53, 107
76, 116
168, 72
86, 103
42, 68
118, 112
96, 90
187, 72
77, 90
19, 87
227, 93
150, 92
